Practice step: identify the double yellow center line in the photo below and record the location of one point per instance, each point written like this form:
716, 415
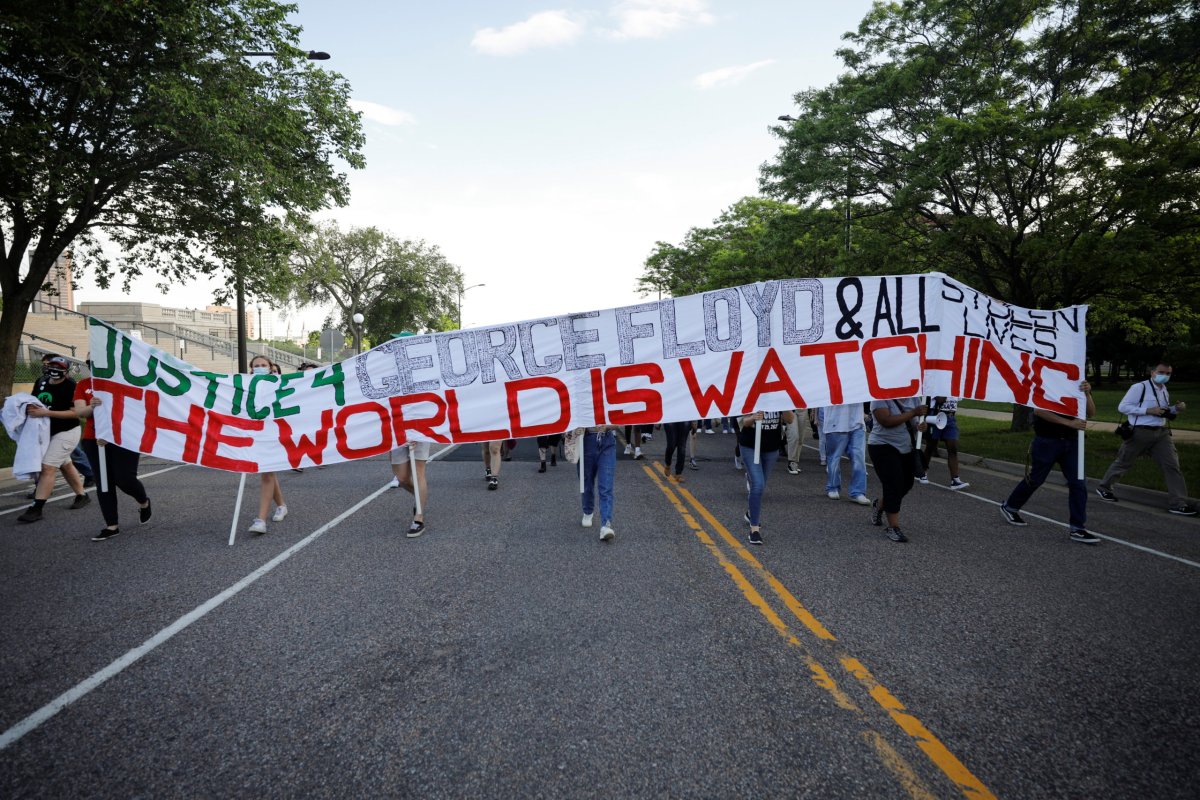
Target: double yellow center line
937, 752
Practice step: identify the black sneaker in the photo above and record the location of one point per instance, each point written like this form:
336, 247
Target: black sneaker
89, 482
1185, 510
81, 500
105, 533
1107, 496
1080, 535
493, 482
31, 515
415, 529
553, 459
876, 513
542, 467
1012, 516
144, 513
896, 535
754, 537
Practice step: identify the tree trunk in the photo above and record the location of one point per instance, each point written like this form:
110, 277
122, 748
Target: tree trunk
1020, 419
12, 322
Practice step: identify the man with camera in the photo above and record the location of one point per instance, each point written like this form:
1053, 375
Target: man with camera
1147, 405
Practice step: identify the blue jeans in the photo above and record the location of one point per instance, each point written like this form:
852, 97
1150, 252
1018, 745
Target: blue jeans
757, 475
1043, 455
80, 460
599, 469
852, 444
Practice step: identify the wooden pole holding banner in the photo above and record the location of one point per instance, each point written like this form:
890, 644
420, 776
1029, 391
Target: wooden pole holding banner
103, 468
412, 471
237, 509
1080, 448
757, 440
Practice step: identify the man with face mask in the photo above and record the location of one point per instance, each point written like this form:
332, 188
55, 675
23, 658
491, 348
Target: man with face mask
56, 391
1149, 409
78, 458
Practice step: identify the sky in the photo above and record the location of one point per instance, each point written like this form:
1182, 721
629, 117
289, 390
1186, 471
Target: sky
545, 146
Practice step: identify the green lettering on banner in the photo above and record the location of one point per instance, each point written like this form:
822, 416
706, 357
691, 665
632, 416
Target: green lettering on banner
254, 412
337, 380
237, 395
182, 385
130, 378
210, 399
110, 351
283, 391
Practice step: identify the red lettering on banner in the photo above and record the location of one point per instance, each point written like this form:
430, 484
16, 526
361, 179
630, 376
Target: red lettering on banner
772, 366
513, 389
401, 425
192, 429
615, 396
457, 434
830, 351
385, 430
1018, 385
597, 396
313, 449
214, 437
1068, 405
119, 392
972, 358
868, 355
953, 365
706, 399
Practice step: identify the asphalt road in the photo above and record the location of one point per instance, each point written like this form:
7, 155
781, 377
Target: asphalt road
510, 653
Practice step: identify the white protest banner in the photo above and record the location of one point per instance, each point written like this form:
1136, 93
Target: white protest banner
794, 343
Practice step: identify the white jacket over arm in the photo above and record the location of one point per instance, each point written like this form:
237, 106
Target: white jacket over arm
31, 435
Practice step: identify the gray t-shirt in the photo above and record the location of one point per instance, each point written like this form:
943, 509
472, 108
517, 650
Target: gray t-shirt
898, 437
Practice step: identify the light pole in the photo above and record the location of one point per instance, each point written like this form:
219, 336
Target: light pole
242, 363
461, 292
358, 321
787, 118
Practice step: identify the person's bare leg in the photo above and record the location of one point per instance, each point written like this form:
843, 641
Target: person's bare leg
45, 483
74, 479
266, 492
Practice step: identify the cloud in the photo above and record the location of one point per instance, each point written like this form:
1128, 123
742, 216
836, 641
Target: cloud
728, 76
543, 29
651, 19
382, 114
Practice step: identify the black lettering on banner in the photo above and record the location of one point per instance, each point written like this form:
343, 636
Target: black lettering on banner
847, 327
789, 289
672, 347
470, 358
900, 310
572, 338
1047, 340
733, 319
998, 313
529, 357
490, 352
925, 326
1073, 322
1019, 333
628, 331
407, 364
883, 310
760, 302
390, 384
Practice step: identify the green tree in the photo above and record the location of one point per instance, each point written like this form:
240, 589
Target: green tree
142, 128
396, 285
1045, 151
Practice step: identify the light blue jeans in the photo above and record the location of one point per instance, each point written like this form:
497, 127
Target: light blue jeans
599, 471
853, 445
757, 475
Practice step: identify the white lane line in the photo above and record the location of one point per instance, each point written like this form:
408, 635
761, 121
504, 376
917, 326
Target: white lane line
90, 489
34, 720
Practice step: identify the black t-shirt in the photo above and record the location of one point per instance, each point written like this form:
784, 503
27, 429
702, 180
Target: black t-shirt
57, 397
1052, 430
772, 433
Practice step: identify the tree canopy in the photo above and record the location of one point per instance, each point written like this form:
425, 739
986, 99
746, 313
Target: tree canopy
146, 127
1045, 151
396, 285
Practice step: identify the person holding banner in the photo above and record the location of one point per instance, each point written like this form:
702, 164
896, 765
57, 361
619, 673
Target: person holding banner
758, 461
491, 463
599, 472
120, 466
56, 393
844, 432
890, 444
1055, 441
676, 433
269, 487
402, 469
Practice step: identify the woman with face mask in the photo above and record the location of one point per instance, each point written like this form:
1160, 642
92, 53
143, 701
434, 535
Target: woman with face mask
269, 489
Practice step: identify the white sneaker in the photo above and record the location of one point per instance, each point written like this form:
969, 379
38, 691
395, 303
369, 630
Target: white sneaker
280, 513
958, 483
861, 499
709, 432
737, 463
834, 495
637, 453
586, 521
923, 479
395, 484
628, 449
258, 526
606, 532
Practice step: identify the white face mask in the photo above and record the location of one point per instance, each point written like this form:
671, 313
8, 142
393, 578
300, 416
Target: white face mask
1161, 379
260, 370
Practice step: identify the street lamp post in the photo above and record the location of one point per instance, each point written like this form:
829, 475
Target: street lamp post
358, 321
242, 363
461, 292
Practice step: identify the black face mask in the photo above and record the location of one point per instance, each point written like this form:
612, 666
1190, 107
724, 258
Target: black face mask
54, 374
